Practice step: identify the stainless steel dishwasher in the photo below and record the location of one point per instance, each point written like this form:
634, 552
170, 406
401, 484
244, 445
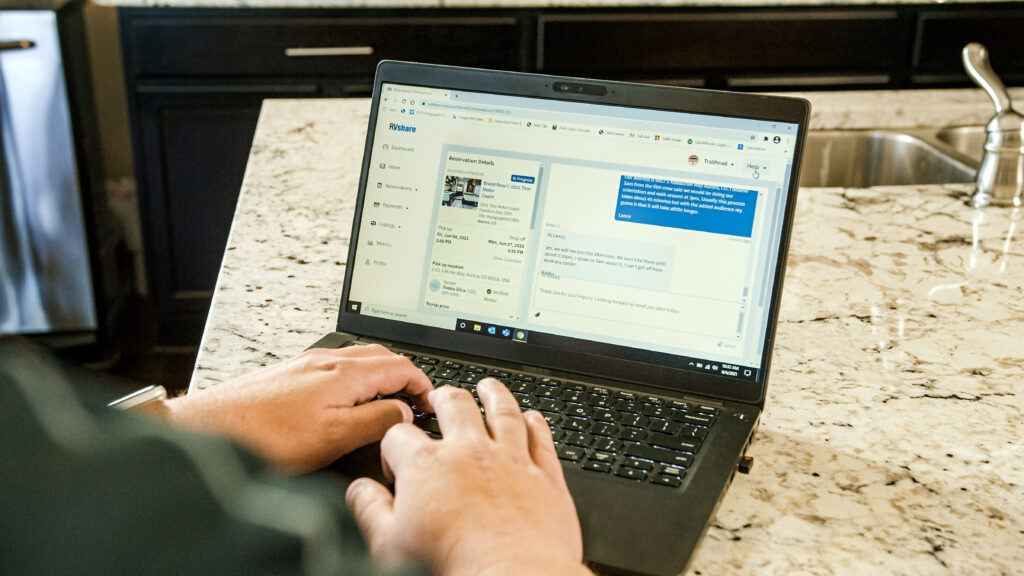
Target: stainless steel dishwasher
45, 272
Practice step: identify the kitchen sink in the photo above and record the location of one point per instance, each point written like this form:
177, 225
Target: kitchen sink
968, 141
863, 158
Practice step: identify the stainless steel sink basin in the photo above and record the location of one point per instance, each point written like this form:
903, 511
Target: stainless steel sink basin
863, 158
968, 141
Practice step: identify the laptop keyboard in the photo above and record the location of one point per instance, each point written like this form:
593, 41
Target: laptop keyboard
636, 438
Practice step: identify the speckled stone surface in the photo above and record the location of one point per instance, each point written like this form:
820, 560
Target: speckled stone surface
892, 438
505, 3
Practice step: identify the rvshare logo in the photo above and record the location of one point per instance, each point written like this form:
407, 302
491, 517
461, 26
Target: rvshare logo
401, 127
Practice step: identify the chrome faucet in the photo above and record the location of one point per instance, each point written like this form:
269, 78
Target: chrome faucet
1001, 175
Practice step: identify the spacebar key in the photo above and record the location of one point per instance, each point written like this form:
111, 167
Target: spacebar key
659, 455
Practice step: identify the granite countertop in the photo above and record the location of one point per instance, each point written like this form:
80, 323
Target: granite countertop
891, 440
506, 3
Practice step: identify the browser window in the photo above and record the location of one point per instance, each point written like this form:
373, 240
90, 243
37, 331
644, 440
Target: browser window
522, 218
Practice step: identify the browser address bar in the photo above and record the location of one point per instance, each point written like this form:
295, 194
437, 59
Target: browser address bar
468, 108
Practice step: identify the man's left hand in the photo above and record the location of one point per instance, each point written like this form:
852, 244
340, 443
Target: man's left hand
307, 411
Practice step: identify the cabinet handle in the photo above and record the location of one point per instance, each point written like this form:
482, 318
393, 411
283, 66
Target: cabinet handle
16, 45
329, 51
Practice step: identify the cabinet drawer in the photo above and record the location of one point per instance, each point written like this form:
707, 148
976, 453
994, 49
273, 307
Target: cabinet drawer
261, 46
941, 37
657, 43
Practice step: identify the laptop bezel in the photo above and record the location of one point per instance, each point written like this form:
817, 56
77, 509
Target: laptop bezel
638, 368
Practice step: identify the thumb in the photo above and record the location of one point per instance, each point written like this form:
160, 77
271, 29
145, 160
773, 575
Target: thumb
369, 422
373, 506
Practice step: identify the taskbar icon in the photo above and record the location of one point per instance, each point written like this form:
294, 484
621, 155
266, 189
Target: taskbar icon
492, 330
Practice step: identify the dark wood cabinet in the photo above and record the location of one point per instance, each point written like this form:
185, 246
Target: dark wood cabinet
196, 78
942, 34
749, 49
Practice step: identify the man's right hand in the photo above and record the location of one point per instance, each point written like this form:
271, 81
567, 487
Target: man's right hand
487, 499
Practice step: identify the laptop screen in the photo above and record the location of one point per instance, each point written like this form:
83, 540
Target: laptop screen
574, 225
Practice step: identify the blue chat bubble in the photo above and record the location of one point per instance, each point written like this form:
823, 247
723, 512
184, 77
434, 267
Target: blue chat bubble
687, 205
523, 179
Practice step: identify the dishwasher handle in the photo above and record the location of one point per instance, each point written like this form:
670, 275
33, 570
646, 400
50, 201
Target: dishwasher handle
6, 45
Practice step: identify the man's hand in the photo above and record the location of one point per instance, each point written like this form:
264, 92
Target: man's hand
487, 499
307, 411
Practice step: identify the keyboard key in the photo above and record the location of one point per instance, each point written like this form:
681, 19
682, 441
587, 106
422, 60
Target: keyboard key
546, 392
638, 464
597, 466
425, 368
632, 435
574, 396
681, 444
557, 435
707, 409
606, 457
578, 411
633, 473
575, 424
552, 418
499, 374
634, 421
452, 364
571, 453
664, 426
659, 455
519, 376
625, 395
605, 415
599, 391
679, 404
471, 377
606, 444
653, 400
671, 471
630, 406
549, 381
428, 360
575, 386
446, 373
699, 419
689, 431
600, 401
525, 402
581, 439
670, 481
476, 368
550, 405
604, 429
656, 411
679, 415
524, 387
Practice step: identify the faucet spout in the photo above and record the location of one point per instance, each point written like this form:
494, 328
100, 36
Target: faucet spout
1001, 175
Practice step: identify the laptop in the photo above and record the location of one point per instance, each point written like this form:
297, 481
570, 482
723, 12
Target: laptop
613, 252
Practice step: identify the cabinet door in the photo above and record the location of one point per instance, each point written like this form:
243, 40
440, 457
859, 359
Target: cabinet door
195, 142
248, 44
942, 35
750, 49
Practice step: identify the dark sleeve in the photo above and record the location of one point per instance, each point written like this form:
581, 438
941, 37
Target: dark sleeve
89, 490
